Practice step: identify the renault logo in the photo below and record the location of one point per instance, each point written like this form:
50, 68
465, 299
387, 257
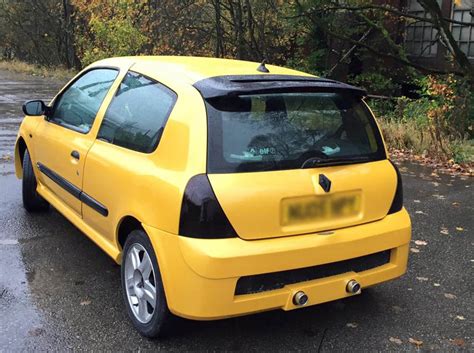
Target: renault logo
324, 182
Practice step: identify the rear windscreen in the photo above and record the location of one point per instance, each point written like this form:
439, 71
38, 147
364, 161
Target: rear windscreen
280, 131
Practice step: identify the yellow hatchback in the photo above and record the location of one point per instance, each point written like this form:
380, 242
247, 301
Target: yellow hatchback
222, 187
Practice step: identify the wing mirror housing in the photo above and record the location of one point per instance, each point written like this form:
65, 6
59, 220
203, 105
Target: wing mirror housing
35, 108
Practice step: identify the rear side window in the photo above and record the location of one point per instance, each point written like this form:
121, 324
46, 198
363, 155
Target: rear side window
78, 105
137, 115
279, 131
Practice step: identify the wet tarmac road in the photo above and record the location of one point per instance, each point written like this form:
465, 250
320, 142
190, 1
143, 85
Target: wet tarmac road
59, 291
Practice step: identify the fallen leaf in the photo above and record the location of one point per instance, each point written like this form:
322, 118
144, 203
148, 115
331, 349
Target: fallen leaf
436, 284
85, 302
435, 183
351, 324
458, 342
420, 242
449, 296
395, 340
417, 343
415, 250
36, 332
397, 309
459, 229
455, 204
444, 231
460, 317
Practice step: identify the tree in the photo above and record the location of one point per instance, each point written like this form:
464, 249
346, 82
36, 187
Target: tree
44, 39
365, 16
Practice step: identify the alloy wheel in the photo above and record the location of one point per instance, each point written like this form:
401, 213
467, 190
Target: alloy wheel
140, 283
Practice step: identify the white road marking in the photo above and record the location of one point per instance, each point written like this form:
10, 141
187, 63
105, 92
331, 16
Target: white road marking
8, 241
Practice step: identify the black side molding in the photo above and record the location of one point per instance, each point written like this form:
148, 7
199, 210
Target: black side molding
66, 185
73, 190
94, 204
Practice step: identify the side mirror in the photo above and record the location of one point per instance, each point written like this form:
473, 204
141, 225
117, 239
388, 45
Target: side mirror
35, 108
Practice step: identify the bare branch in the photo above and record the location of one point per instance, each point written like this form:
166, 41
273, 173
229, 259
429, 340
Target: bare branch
378, 8
402, 61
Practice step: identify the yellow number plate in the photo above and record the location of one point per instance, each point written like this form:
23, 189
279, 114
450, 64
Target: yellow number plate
310, 209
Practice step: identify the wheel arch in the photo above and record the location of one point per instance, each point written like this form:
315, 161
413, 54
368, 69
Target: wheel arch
20, 149
126, 225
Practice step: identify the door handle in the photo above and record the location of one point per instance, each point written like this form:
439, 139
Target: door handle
75, 155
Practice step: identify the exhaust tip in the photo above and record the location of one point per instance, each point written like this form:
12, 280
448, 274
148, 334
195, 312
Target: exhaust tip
353, 286
300, 298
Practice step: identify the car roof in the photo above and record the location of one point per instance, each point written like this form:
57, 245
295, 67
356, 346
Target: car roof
193, 69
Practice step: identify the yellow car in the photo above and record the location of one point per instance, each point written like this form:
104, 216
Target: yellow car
222, 187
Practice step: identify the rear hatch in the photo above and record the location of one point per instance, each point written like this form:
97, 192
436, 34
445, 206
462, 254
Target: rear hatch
294, 160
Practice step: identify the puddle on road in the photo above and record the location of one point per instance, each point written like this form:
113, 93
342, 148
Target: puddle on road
14, 91
21, 325
19, 315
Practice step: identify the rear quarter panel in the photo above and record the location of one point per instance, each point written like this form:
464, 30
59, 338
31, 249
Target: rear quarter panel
149, 187
378, 126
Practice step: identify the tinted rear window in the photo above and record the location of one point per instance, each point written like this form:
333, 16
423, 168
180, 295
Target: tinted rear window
281, 131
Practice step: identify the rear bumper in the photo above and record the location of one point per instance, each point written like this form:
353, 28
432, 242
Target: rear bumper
200, 275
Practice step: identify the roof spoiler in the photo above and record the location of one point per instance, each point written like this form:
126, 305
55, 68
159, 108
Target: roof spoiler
233, 85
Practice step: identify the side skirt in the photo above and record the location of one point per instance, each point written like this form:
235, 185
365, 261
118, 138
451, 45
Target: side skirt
108, 247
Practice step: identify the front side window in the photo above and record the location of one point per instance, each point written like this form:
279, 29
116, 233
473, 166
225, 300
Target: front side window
77, 107
281, 131
137, 114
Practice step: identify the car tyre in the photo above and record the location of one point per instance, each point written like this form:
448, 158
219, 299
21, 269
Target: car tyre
141, 276
32, 201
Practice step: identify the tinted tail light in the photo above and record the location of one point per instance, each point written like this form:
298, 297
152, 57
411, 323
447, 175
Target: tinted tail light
397, 202
201, 214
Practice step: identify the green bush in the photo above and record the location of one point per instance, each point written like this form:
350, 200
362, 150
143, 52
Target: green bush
439, 123
113, 37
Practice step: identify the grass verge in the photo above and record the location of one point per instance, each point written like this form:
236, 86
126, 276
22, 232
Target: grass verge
36, 70
405, 139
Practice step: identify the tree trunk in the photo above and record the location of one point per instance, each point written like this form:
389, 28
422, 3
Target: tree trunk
219, 49
70, 56
239, 31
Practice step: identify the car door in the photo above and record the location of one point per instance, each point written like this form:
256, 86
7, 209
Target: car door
119, 164
62, 140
